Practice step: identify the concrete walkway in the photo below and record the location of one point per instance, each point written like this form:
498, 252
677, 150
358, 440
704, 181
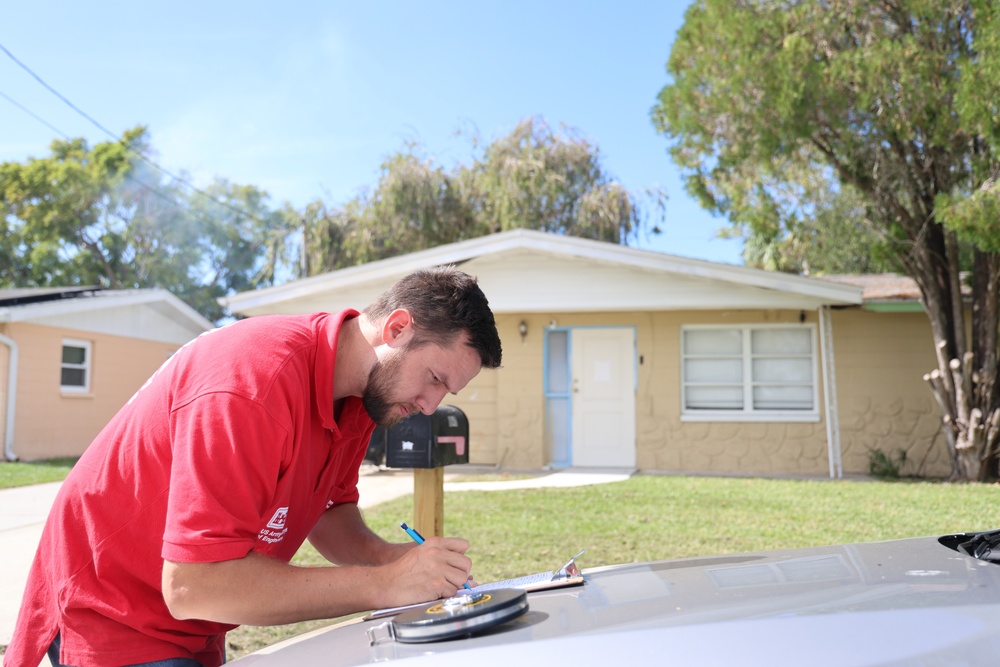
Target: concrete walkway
23, 511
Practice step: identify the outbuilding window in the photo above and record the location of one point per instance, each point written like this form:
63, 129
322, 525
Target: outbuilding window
753, 372
75, 376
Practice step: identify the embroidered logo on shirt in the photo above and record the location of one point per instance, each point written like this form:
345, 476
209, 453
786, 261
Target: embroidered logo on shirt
275, 529
278, 520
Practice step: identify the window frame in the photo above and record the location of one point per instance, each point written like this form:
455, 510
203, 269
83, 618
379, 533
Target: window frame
748, 412
86, 366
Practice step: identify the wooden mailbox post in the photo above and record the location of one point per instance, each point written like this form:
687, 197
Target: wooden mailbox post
428, 501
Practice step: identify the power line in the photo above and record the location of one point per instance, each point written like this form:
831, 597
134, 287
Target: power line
34, 115
58, 94
110, 134
65, 136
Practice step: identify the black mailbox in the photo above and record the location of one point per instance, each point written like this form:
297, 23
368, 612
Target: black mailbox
376, 447
423, 441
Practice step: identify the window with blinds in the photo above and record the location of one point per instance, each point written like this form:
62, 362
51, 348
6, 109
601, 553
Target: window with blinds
749, 371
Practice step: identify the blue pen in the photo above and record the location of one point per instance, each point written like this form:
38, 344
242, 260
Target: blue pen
419, 539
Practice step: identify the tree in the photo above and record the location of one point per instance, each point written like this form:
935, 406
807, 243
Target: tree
891, 102
62, 215
794, 221
533, 178
552, 181
236, 243
105, 215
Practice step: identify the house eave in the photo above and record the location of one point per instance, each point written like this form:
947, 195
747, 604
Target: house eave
801, 292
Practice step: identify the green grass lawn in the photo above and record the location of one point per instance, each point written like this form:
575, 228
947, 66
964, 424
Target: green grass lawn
652, 517
21, 473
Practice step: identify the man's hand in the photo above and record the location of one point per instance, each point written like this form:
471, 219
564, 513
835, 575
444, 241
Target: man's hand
435, 569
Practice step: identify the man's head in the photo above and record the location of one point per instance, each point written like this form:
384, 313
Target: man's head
439, 332
443, 302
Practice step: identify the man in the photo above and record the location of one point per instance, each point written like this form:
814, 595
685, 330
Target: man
178, 522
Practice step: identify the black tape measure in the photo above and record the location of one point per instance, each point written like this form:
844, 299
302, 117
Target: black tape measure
459, 615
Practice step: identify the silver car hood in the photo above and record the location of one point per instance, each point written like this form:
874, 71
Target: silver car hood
904, 602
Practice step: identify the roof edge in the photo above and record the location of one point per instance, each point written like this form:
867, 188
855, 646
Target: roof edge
462, 251
110, 298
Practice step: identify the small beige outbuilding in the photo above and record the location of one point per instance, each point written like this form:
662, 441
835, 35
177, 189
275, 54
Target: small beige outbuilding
71, 357
622, 358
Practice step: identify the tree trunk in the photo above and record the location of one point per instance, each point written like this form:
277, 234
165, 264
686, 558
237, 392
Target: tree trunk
965, 386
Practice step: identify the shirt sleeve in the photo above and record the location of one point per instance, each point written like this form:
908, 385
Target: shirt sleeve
227, 458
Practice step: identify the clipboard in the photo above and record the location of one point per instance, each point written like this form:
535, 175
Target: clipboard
568, 575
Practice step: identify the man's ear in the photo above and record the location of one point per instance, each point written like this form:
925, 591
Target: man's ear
397, 330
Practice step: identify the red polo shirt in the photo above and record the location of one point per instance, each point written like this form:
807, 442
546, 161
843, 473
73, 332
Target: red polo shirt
230, 447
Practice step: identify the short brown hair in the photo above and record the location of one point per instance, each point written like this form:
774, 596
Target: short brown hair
443, 302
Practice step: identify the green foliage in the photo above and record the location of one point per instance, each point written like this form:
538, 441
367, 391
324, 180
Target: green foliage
856, 135
974, 217
534, 178
63, 215
551, 181
886, 97
103, 215
885, 466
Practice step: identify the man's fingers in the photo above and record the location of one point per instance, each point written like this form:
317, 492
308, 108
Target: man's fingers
456, 544
449, 551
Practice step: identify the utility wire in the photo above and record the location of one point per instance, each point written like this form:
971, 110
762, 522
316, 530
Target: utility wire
58, 94
65, 136
34, 115
110, 134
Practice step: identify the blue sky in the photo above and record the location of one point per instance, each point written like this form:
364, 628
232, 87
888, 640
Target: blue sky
305, 99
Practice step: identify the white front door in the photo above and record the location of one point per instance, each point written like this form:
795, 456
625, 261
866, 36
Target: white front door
603, 397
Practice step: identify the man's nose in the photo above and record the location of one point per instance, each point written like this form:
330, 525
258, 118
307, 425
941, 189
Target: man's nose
430, 400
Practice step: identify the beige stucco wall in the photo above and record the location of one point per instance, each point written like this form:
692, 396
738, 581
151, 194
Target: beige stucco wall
4, 370
880, 359
884, 402
50, 423
666, 443
498, 403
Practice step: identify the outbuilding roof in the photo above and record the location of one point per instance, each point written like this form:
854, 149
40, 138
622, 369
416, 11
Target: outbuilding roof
150, 314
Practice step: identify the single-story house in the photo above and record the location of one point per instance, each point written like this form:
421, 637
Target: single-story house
616, 357
71, 357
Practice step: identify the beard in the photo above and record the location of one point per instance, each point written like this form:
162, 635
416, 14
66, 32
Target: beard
376, 399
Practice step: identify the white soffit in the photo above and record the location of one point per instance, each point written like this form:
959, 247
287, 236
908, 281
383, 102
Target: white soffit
529, 271
535, 282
